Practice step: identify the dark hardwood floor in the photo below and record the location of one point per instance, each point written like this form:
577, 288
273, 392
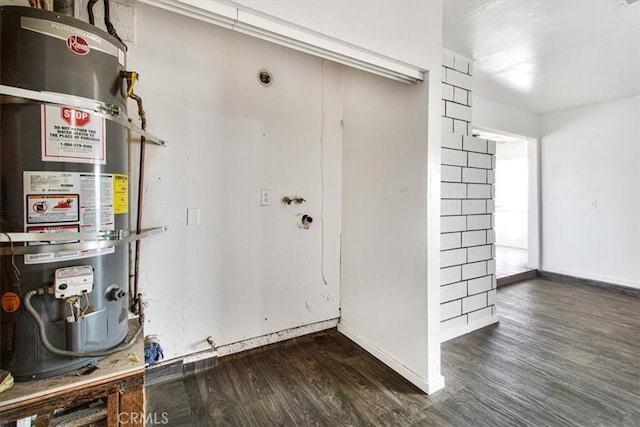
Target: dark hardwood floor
562, 355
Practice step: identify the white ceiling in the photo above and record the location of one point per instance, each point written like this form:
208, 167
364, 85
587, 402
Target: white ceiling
544, 55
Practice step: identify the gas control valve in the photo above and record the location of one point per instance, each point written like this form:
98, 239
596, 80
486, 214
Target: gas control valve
73, 281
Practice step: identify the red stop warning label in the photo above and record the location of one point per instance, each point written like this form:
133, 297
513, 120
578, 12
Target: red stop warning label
75, 117
10, 302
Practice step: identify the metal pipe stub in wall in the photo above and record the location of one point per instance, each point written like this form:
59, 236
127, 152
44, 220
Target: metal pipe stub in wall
306, 221
287, 200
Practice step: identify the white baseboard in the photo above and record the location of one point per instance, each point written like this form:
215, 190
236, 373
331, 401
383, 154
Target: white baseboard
226, 349
428, 387
470, 327
248, 344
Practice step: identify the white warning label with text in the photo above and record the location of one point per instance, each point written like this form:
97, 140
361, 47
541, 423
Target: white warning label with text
72, 135
68, 202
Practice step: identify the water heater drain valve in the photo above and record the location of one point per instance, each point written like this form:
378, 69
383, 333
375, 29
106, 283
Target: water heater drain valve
73, 281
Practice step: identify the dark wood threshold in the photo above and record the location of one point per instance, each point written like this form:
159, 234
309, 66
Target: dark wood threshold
557, 277
518, 277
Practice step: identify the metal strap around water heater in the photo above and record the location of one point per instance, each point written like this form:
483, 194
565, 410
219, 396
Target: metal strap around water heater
63, 242
108, 111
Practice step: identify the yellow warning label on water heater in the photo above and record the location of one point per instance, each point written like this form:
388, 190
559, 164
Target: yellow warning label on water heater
120, 194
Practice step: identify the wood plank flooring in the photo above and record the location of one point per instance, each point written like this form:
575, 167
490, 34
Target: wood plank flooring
562, 355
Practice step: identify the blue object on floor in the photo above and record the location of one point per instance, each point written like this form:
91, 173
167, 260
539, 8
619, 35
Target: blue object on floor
152, 350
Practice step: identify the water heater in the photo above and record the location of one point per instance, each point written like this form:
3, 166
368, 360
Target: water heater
63, 169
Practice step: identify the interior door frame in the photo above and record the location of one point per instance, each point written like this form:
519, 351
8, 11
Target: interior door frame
534, 218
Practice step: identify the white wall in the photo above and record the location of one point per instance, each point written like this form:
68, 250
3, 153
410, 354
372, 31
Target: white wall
248, 270
592, 154
384, 241
411, 32
493, 115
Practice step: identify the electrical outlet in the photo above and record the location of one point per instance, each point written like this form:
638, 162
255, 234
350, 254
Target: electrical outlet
265, 197
594, 204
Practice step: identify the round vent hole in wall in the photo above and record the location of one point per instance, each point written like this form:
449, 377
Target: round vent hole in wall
265, 77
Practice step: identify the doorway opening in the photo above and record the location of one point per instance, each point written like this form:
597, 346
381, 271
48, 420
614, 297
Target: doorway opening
516, 206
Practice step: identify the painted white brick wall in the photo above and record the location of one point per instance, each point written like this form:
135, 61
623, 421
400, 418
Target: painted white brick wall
454, 157
473, 175
461, 96
450, 275
471, 143
456, 96
479, 314
491, 266
450, 241
474, 207
451, 309
461, 127
453, 257
491, 147
457, 111
449, 224
482, 284
479, 253
452, 173
491, 297
479, 191
491, 206
456, 78
452, 140
455, 323
478, 222
452, 190
474, 238
454, 291
468, 282
450, 207
474, 302
473, 270
477, 160
448, 92
491, 234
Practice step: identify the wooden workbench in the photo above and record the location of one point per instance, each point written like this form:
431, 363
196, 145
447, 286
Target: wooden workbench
119, 380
